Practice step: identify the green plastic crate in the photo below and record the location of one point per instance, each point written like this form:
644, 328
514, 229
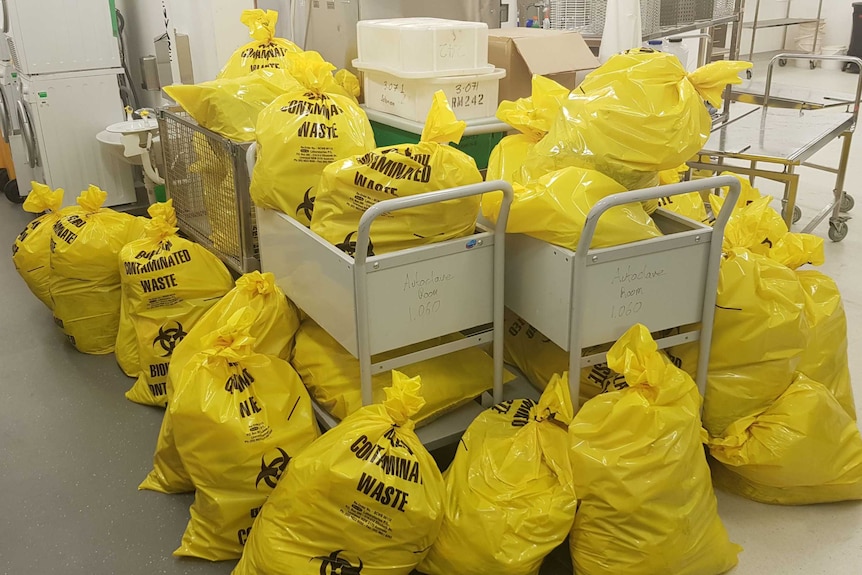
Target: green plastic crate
478, 146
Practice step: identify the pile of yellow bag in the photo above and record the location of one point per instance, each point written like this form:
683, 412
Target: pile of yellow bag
778, 397
274, 323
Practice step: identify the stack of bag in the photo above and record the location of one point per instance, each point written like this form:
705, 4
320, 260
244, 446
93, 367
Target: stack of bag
779, 407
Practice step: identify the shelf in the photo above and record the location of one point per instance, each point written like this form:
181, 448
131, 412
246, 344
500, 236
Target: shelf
701, 25
778, 23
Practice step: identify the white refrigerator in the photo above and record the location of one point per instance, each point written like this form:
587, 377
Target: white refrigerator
66, 55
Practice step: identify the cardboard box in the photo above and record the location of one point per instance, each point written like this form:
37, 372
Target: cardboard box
558, 54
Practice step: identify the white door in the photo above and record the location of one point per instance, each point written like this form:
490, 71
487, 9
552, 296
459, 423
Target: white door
49, 36
63, 113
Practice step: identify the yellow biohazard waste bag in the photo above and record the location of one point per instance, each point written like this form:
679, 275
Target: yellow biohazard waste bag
274, 325
31, 252
351, 186
349, 83
510, 498
637, 114
238, 419
825, 359
168, 283
554, 209
85, 277
756, 226
366, 497
532, 117
539, 359
802, 449
302, 132
230, 106
265, 51
689, 205
646, 503
331, 375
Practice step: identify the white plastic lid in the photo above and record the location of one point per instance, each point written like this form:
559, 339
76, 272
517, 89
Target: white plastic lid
420, 23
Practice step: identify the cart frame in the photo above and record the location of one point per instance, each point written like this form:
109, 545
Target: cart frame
676, 291
788, 160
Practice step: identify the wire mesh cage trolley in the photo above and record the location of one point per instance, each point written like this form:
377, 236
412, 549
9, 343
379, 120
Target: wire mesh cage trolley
206, 176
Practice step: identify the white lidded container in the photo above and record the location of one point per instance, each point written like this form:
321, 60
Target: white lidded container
422, 47
470, 96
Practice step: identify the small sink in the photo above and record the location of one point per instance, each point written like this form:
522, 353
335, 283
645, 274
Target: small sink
112, 141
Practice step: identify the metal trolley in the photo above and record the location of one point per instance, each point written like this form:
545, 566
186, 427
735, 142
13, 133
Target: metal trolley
367, 304
206, 176
588, 297
789, 128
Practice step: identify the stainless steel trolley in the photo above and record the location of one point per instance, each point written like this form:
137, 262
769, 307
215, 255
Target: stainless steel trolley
367, 304
785, 136
587, 297
206, 176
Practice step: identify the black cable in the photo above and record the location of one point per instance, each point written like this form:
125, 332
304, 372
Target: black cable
130, 88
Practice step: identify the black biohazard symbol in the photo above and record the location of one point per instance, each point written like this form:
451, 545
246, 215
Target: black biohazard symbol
348, 246
271, 472
335, 565
307, 205
169, 337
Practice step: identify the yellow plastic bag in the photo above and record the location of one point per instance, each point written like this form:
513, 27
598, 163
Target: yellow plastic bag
756, 226
31, 252
646, 504
230, 106
689, 205
331, 375
275, 322
509, 494
539, 359
349, 83
85, 278
802, 449
637, 114
168, 283
825, 359
366, 497
238, 418
351, 186
265, 51
532, 117
302, 132
554, 209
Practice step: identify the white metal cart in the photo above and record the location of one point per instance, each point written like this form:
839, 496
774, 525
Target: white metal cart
588, 297
366, 304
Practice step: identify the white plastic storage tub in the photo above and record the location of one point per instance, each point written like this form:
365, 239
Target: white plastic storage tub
471, 97
418, 47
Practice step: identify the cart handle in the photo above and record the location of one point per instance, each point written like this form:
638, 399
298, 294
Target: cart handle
583, 253
788, 56
360, 277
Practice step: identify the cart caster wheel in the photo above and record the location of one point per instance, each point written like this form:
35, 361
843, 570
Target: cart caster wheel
748, 74
11, 191
847, 203
812, 64
797, 214
782, 62
837, 231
